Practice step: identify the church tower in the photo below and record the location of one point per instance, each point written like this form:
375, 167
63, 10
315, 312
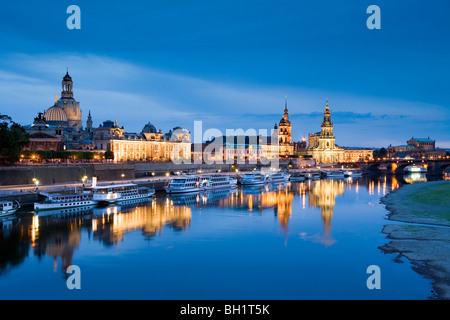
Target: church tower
326, 135
286, 146
67, 85
89, 123
322, 145
68, 103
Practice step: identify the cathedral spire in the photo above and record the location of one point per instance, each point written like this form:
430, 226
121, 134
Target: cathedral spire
327, 115
89, 123
67, 85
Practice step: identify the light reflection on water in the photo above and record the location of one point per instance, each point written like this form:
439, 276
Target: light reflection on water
28, 241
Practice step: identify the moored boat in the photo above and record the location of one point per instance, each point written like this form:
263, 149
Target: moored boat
297, 176
335, 174
184, 184
352, 173
217, 181
415, 169
252, 178
58, 201
8, 208
112, 193
313, 175
277, 176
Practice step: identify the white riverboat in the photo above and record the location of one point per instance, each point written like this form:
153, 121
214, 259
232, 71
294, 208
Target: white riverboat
297, 176
313, 175
352, 173
8, 208
335, 174
217, 181
277, 176
184, 184
113, 193
415, 169
59, 201
252, 178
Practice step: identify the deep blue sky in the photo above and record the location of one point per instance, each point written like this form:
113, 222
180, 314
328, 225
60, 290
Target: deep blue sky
230, 64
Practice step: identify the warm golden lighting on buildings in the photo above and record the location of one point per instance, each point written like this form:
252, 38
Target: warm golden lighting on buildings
112, 226
323, 196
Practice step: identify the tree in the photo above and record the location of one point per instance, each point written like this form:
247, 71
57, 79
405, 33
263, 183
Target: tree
109, 155
381, 153
13, 138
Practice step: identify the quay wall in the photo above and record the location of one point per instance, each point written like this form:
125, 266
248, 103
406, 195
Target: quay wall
49, 174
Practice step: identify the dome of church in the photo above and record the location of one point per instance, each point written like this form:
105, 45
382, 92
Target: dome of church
149, 128
55, 114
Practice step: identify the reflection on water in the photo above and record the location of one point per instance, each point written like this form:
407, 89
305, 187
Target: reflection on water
302, 210
323, 196
58, 233
414, 177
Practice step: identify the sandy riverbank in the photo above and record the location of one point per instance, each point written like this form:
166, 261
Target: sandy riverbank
424, 237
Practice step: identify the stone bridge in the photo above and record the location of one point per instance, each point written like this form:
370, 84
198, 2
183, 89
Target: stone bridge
434, 167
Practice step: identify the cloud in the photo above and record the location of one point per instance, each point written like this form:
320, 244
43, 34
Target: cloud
135, 94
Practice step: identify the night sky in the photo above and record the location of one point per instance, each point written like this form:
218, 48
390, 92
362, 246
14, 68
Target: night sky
231, 63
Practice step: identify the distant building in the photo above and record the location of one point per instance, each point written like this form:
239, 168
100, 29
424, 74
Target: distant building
418, 148
422, 143
241, 149
322, 145
63, 119
150, 144
286, 146
44, 137
357, 154
233, 149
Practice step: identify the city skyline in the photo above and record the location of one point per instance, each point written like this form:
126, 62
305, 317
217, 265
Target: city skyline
234, 74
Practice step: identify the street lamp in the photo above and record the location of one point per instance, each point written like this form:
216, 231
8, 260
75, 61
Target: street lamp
84, 180
36, 183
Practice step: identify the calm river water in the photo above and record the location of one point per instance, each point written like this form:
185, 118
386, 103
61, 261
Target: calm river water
302, 240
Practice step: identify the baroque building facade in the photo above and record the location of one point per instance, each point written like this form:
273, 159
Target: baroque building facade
150, 144
63, 120
417, 148
60, 127
285, 145
322, 146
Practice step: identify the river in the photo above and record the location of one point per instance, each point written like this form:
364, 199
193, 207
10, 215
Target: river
301, 240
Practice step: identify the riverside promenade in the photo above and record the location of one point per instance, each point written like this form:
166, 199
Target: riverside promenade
28, 194
18, 182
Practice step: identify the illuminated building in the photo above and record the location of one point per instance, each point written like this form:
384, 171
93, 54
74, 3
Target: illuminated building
63, 121
322, 145
114, 222
286, 147
150, 144
357, 154
323, 196
417, 148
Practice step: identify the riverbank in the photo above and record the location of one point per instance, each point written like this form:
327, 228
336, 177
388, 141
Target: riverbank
424, 236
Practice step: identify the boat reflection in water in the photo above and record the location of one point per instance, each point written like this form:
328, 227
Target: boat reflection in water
415, 177
59, 233
112, 223
221, 239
